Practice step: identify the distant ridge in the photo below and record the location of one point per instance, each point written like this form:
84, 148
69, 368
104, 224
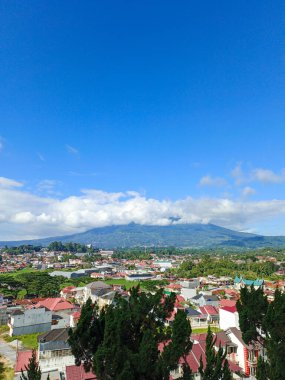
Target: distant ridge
177, 235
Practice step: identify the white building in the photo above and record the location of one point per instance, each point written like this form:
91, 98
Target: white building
228, 317
30, 321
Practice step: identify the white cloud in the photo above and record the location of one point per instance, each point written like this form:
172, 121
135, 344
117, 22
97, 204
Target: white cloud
212, 181
257, 175
48, 186
25, 215
71, 149
7, 182
248, 191
268, 176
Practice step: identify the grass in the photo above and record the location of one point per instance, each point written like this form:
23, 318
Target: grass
204, 330
126, 283
4, 329
29, 341
6, 372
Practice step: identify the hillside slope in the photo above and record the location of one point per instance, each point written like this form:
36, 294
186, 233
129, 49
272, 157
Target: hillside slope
178, 235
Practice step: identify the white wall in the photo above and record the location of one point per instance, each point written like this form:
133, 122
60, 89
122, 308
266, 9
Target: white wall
240, 351
228, 319
188, 293
31, 321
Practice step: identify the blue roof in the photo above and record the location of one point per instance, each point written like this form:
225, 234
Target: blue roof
256, 282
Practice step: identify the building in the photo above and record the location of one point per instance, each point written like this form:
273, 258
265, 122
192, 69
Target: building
54, 352
30, 321
228, 317
247, 355
240, 282
203, 300
74, 372
139, 276
61, 310
92, 291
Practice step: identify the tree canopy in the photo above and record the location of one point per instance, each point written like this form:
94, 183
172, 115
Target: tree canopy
264, 322
33, 371
130, 339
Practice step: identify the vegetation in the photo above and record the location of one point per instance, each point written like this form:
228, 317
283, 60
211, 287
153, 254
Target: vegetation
33, 371
216, 367
225, 267
6, 372
21, 249
263, 322
121, 341
58, 246
28, 341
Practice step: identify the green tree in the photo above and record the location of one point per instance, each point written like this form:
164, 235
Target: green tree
216, 367
129, 339
264, 323
33, 370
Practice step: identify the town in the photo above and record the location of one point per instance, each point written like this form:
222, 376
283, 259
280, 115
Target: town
43, 291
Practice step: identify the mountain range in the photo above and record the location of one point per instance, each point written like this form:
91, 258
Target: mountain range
178, 235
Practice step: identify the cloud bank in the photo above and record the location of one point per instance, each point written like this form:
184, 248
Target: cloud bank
24, 215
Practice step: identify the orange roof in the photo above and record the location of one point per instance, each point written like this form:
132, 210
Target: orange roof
55, 304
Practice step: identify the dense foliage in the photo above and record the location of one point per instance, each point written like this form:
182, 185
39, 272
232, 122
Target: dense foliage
21, 249
36, 284
225, 267
264, 322
122, 341
58, 246
217, 367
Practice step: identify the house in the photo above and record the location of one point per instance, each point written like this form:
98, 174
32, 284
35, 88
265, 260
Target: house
54, 351
247, 355
197, 353
209, 313
203, 300
61, 310
240, 282
68, 292
228, 317
22, 360
92, 291
30, 321
189, 287
195, 317
74, 372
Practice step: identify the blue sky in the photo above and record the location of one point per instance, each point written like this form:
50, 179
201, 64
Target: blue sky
171, 100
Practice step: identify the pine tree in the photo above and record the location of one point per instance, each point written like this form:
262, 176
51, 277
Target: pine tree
227, 375
129, 339
216, 365
264, 322
33, 370
261, 370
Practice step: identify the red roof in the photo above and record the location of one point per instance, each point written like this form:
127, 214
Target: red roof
78, 373
208, 310
229, 303
174, 286
68, 289
55, 304
22, 360
231, 309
